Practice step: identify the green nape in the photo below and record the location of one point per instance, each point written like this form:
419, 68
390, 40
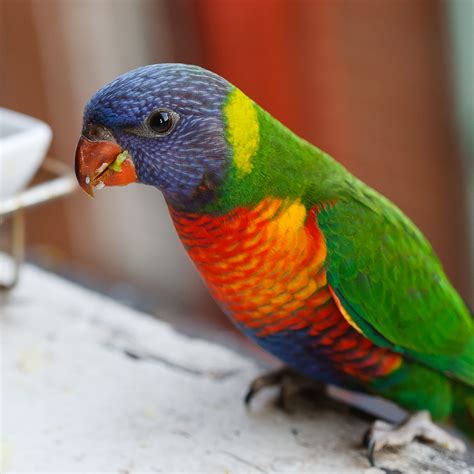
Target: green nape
284, 166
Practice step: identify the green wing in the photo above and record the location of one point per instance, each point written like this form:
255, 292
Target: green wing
391, 283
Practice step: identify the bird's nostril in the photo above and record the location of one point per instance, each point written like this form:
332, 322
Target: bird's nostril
97, 132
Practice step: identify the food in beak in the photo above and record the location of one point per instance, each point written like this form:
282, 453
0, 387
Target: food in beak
102, 163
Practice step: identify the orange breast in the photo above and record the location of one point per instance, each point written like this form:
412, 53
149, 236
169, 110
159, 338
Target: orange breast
265, 267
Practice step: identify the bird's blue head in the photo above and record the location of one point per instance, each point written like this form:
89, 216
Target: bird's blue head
171, 121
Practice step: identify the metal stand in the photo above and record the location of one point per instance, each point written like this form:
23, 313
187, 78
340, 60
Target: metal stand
62, 183
17, 251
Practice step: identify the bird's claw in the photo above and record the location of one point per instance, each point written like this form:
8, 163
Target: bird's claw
417, 426
288, 380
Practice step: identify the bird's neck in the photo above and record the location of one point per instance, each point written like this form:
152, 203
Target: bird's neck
282, 166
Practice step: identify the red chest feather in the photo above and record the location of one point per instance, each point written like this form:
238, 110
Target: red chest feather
265, 266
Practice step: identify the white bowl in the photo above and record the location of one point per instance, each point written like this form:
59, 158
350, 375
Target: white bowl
24, 142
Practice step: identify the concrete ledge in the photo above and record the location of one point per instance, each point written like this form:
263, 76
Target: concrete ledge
92, 386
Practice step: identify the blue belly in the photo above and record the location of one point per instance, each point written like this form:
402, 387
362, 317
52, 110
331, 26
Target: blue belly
297, 349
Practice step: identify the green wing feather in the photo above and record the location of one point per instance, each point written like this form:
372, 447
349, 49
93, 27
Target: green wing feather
389, 280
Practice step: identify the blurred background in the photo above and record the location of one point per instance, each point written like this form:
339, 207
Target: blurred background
384, 87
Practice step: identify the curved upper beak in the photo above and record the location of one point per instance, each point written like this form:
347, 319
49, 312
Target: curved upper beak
102, 163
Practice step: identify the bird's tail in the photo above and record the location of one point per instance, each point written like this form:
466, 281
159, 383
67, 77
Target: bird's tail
463, 408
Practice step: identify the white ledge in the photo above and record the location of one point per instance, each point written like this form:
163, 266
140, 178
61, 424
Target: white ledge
89, 385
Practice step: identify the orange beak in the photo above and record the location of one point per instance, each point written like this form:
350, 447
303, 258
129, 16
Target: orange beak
102, 163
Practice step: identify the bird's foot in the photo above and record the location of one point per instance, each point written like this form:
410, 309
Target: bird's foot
418, 425
289, 381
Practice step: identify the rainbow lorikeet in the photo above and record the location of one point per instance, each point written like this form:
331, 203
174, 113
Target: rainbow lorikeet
312, 264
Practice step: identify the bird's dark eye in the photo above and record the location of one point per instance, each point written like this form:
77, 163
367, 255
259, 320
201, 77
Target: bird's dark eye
159, 123
162, 121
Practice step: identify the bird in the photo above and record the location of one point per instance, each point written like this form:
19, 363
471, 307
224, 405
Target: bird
309, 262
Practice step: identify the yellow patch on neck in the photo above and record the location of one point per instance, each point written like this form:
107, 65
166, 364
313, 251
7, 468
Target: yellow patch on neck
243, 130
291, 218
